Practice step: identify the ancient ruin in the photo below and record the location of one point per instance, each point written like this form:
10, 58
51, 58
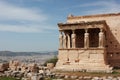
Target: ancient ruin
89, 43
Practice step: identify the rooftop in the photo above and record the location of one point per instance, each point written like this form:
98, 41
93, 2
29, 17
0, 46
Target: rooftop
89, 16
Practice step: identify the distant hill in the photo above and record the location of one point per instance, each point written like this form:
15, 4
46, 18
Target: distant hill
10, 53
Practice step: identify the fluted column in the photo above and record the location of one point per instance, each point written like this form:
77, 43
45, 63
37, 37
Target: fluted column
64, 41
101, 38
68, 40
73, 36
60, 40
86, 39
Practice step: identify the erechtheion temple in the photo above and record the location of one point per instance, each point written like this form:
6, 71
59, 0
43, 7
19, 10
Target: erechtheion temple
89, 43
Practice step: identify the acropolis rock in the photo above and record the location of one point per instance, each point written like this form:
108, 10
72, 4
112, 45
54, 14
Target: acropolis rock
33, 67
89, 43
14, 64
3, 66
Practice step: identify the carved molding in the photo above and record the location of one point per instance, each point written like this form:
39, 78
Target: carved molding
83, 25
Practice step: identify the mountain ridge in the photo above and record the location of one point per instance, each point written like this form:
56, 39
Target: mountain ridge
11, 53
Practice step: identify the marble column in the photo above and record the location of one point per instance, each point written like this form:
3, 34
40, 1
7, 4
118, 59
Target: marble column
68, 40
64, 40
60, 40
73, 36
86, 39
101, 38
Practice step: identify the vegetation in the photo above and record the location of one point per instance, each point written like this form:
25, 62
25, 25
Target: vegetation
52, 60
7, 78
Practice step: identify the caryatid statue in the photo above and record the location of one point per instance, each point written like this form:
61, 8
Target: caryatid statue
60, 40
101, 38
86, 39
64, 41
73, 39
68, 40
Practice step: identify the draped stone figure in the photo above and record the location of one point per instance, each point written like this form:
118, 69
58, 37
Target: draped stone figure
68, 41
86, 39
64, 41
101, 39
60, 40
73, 40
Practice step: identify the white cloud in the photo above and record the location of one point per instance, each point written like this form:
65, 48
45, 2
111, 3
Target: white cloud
11, 12
98, 7
102, 7
18, 28
32, 28
28, 20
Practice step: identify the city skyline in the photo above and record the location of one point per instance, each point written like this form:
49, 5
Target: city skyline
31, 25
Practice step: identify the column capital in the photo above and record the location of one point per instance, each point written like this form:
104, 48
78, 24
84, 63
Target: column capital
73, 31
86, 30
64, 33
101, 29
67, 33
60, 31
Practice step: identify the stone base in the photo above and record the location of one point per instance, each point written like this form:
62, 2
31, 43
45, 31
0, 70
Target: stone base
82, 68
83, 60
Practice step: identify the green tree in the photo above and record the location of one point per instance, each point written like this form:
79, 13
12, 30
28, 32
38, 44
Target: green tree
52, 60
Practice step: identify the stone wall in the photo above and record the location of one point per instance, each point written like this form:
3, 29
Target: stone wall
78, 60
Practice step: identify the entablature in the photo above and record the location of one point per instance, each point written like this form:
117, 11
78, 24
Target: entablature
83, 25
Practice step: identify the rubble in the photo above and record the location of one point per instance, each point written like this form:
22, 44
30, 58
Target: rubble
33, 71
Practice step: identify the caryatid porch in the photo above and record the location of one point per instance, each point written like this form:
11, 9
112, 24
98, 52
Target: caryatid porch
82, 38
82, 46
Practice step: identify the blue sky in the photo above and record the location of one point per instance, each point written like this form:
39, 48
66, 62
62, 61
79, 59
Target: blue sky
31, 25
